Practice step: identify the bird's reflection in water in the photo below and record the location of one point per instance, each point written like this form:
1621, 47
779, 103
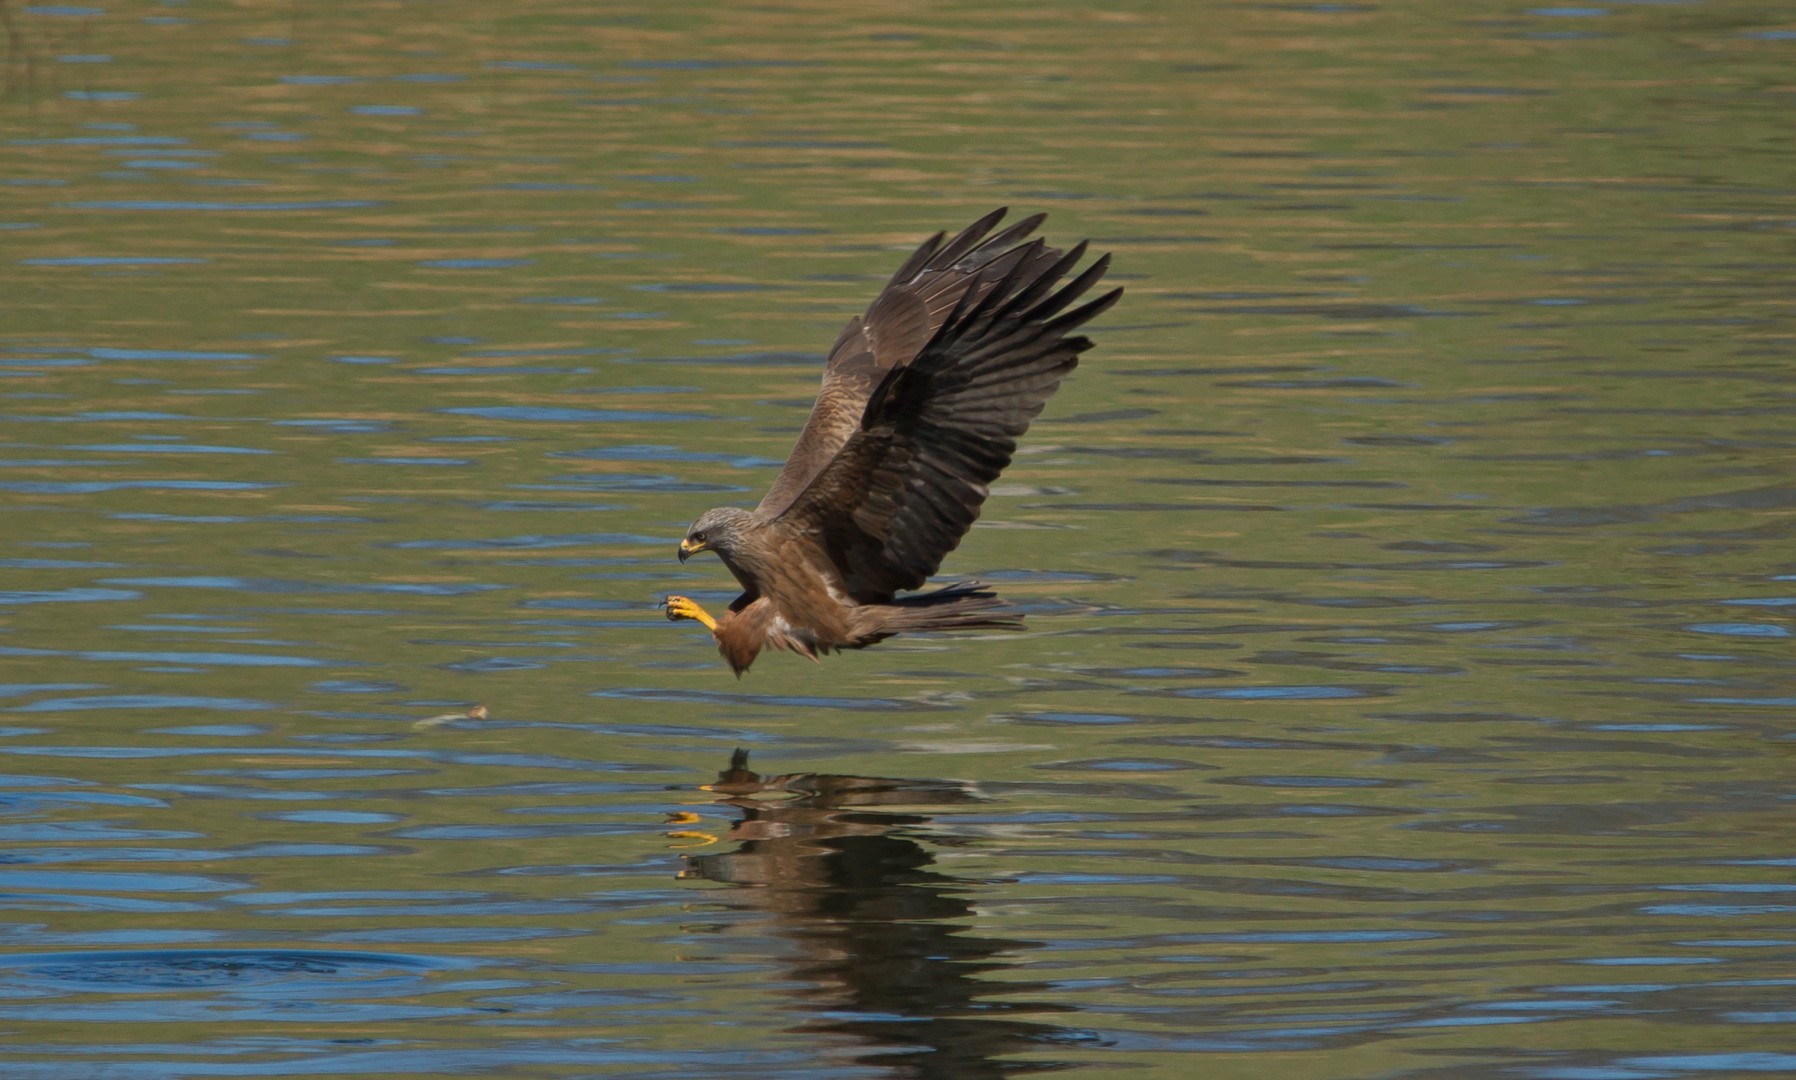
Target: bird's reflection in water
879, 952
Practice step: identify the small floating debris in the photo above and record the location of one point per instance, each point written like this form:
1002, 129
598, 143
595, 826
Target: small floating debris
478, 712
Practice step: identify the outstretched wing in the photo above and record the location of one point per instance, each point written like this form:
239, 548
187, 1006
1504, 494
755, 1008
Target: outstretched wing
909, 483
907, 313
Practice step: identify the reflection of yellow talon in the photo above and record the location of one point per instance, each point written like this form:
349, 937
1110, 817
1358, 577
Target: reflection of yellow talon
703, 838
683, 817
680, 607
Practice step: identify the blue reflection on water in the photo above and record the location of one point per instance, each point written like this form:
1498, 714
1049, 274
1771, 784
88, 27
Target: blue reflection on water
573, 416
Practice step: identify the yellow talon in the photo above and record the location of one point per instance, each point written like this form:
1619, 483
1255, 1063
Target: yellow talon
680, 607
683, 817
703, 839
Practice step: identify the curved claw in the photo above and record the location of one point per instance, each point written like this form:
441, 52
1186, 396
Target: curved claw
680, 607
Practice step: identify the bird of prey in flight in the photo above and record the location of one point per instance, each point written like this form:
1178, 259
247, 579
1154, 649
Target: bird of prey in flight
922, 402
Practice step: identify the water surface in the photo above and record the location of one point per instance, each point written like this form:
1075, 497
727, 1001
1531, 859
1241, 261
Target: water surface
1408, 687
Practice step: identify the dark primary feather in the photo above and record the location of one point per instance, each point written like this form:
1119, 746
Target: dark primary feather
901, 321
908, 484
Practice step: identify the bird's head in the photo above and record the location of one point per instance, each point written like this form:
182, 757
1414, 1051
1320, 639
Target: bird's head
715, 530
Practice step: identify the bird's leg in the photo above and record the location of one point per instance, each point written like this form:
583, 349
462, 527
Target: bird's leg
680, 607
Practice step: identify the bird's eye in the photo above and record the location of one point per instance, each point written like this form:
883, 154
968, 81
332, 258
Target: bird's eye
699, 536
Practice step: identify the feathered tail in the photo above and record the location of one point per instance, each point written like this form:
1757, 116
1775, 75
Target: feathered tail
963, 606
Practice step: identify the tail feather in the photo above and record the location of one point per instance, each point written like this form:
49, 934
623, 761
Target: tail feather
963, 606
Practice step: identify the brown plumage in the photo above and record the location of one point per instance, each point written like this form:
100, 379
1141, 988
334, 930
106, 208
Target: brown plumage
922, 402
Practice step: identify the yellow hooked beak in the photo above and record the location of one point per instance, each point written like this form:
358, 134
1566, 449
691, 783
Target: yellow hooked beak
689, 549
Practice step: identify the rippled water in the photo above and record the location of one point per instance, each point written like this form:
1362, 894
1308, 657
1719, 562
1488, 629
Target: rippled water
1409, 685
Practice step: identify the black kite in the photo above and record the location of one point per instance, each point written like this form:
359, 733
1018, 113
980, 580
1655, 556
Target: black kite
922, 403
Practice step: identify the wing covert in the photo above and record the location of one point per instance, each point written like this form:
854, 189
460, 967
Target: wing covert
901, 321
910, 481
